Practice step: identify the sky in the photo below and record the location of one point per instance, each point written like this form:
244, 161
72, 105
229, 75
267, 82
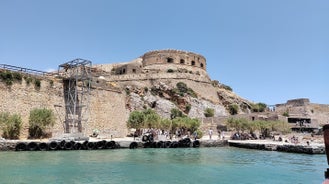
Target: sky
267, 51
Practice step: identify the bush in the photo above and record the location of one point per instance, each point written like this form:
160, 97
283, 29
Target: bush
188, 108
183, 89
226, 87
37, 83
28, 80
200, 134
175, 113
39, 121
233, 109
286, 114
7, 77
209, 112
258, 107
17, 76
11, 125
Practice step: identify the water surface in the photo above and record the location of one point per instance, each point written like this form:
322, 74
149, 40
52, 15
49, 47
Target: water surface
156, 166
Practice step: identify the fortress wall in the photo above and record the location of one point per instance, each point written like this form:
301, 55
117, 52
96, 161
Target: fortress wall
174, 56
134, 77
108, 113
22, 98
107, 108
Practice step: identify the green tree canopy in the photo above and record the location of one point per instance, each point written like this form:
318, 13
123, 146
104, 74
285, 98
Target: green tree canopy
136, 120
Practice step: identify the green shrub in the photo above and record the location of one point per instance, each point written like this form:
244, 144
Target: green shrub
39, 121
286, 114
226, 87
199, 133
209, 112
233, 109
11, 125
7, 77
258, 107
175, 113
28, 80
188, 108
37, 83
183, 89
17, 76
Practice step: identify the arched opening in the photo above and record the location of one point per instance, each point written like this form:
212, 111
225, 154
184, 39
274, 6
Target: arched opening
182, 61
170, 60
193, 63
123, 71
201, 65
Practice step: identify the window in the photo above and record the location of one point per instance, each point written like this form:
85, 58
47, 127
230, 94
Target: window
193, 63
123, 71
201, 65
170, 60
182, 61
134, 70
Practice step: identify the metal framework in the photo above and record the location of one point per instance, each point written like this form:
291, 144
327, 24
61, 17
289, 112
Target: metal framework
23, 70
77, 77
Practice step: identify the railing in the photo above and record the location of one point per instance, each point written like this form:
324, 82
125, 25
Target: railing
23, 70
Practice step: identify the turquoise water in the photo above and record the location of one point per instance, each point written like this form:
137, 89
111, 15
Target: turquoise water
156, 166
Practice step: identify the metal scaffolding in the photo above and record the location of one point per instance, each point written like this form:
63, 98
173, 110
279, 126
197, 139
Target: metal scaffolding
77, 78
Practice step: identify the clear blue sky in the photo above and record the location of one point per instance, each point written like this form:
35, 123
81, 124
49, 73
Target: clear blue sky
268, 51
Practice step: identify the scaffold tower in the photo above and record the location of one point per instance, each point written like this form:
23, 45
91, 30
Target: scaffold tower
76, 75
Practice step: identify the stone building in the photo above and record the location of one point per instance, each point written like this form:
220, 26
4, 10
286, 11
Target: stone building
163, 61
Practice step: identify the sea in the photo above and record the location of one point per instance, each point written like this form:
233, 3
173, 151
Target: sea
161, 166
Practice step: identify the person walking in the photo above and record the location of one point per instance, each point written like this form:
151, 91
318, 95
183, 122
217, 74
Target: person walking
210, 133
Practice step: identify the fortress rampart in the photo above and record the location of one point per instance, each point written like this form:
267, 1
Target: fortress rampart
174, 57
147, 76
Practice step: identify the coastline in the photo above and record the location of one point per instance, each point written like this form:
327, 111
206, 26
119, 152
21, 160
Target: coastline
265, 145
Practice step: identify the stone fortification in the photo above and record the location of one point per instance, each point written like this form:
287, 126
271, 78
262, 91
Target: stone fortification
107, 110
174, 57
161, 61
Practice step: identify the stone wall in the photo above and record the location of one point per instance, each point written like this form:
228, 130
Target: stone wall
21, 98
148, 76
174, 56
107, 108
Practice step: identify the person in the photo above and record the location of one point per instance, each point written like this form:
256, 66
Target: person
195, 134
210, 133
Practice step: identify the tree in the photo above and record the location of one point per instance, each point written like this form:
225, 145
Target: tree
39, 121
136, 120
152, 119
11, 125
